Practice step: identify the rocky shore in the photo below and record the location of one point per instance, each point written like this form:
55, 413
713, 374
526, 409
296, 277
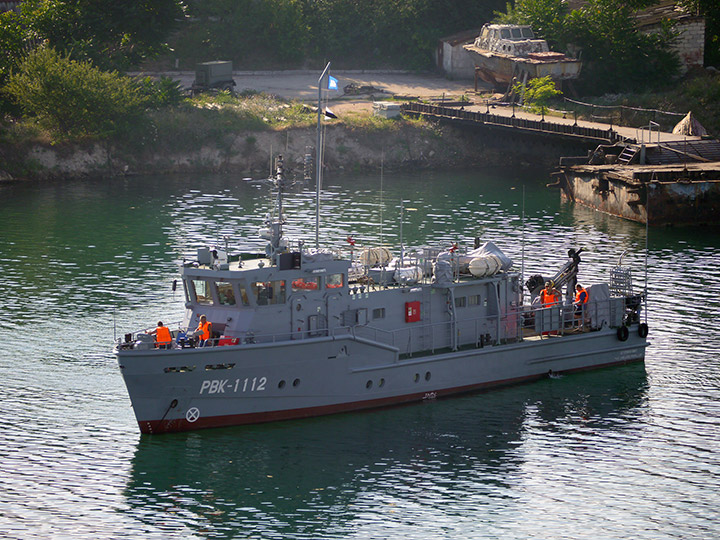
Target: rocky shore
249, 154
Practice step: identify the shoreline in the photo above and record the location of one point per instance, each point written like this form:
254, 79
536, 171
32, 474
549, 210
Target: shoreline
406, 144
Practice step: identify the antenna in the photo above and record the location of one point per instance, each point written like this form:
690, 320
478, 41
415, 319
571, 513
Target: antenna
522, 243
382, 162
318, 159
647, 234
402, 248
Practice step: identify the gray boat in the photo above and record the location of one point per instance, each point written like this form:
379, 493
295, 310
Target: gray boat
300, 332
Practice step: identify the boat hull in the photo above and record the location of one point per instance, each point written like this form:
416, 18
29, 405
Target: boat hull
189, 389
658, 195
498, 69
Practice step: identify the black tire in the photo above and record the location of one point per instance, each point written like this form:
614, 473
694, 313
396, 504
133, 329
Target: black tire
643, 330
623, 333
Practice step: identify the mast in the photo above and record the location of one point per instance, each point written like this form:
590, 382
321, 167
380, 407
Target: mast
522, 267
318, 159
275, 226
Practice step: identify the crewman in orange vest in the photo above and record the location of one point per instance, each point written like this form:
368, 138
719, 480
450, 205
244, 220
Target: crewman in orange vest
162, 336
581, 298
549, 296
205, 329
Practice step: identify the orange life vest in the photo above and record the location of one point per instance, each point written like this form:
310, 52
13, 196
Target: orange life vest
162, 335
579, 300
205, 330
548, 299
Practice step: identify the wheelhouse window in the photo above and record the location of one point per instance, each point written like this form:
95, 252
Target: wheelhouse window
335, 281
269, 292
528, 33
226, 294
202, 291
243, 294
306, 284
378, 313
516, 33
474, 300
460, 302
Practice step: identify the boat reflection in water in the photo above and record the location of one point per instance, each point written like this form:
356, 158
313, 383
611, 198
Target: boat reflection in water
325, 477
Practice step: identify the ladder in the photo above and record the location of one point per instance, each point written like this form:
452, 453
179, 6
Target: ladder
628, 155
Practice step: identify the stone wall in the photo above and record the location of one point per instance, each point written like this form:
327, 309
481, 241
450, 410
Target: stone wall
691, 43
427, 146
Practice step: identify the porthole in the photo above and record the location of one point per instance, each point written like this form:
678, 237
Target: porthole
417, 377
427, 375
296, 382
368, 385
381, 383
281, 384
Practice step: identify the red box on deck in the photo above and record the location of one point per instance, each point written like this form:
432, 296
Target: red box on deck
412, 311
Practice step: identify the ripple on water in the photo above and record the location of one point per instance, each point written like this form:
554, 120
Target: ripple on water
620, 453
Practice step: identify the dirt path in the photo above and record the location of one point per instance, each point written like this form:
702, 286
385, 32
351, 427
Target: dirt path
302, 85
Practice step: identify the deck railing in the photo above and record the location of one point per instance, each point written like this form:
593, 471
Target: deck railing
515, 325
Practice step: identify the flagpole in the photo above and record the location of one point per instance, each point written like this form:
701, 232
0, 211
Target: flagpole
318, 160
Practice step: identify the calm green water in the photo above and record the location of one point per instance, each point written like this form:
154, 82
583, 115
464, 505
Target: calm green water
630, 452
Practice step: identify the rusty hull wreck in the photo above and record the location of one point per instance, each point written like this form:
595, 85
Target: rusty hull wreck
673, 183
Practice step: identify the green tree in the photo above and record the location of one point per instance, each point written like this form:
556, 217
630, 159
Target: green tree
303, 33
73, 98
113, 35
616, 56
537, 93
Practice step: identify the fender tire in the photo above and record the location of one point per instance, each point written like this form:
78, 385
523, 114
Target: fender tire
643, 330
623, 333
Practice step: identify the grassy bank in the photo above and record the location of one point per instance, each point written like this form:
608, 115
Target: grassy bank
239, 133
698, 92
220, 133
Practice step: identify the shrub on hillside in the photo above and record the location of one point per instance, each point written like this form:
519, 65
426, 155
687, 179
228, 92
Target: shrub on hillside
75, 99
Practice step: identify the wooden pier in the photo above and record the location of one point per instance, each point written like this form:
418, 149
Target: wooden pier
568, 131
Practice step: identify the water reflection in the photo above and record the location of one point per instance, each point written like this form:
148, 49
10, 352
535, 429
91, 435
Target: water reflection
331, 476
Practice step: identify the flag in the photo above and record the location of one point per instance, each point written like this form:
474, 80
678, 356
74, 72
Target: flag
332, 83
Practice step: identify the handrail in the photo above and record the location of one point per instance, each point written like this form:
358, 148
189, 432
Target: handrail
519, 323
511, 121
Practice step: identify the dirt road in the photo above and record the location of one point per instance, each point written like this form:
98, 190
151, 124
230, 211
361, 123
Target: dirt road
303, 85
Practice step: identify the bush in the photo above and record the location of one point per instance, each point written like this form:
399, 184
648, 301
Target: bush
538, 93
75, 99
163, 92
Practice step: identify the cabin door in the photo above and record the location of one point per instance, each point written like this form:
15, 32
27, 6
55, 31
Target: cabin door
309, 317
